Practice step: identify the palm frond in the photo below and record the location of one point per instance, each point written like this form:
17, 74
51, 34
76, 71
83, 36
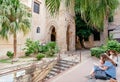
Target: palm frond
95, 11
77, 6
11, 15
53, 6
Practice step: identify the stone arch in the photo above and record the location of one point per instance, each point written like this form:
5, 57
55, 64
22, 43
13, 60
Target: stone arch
70, 36
52, 31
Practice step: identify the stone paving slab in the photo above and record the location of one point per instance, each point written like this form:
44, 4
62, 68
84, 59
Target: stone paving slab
78, 73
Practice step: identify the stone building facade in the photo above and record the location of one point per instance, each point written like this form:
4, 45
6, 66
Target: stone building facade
59, 28
114, 26
45, 28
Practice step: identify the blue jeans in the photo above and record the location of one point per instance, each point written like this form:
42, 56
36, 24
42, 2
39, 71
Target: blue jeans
96, 68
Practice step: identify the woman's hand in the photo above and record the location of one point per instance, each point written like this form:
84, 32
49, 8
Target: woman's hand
103, 67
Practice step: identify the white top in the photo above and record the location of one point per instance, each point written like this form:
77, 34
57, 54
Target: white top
115, 59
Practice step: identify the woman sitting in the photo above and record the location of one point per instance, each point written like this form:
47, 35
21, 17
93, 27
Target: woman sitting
113, 55
107, 66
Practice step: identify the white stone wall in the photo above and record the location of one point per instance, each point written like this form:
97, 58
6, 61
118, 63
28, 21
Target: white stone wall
116, 24
61, 22
91, 43
38, 20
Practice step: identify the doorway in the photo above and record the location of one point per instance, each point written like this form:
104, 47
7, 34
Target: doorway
53, 34
68, 38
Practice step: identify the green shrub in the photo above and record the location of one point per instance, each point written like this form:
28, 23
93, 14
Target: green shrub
118, 49
10, 54
28, 53
40, 56
51, 45
31, 47
50, 49
97, 51
44, 49
113, 45
104, 47
50, 53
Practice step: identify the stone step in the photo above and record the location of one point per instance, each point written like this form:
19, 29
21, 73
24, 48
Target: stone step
62, 65
51, 73
55, 70
59, 68
68, 61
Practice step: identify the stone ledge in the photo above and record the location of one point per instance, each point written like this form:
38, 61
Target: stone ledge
37, 71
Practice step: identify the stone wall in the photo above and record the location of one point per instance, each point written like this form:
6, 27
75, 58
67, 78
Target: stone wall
91, 43
7, 45
36, 72
115, 25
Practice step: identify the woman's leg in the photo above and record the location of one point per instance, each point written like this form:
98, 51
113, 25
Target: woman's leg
92, 75
94, 69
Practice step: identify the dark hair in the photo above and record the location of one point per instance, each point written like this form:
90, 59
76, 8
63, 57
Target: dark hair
106, 57
113, 51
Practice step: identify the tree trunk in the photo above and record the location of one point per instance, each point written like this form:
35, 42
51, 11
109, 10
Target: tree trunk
15, 44
105, 30
82, 42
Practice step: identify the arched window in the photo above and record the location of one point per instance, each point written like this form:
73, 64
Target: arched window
38, 30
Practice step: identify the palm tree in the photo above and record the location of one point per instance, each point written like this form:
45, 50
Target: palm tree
94, 12
14, 18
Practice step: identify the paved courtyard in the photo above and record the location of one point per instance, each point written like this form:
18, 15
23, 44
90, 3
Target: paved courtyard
78, 72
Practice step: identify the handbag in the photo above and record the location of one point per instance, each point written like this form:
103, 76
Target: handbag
100, 74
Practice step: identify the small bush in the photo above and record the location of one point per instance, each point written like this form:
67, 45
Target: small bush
50, 53
40, 56
31, 47
44, 49
104, 47
97, 51
28, 53
113, 45
10, 54
50, 49
118, 49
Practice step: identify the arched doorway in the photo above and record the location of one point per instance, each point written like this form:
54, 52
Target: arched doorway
68, 38
53, 34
